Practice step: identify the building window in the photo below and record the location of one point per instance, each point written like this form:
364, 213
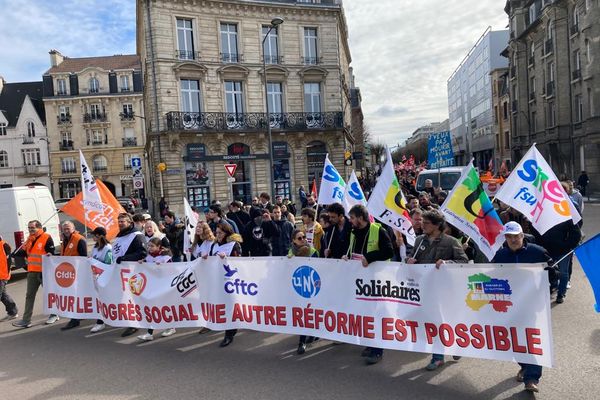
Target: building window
185, 39
127, 111
271, 52
190, 95
312, 97
275, 96
64, 113
30, 129
31, 156
124, 83
281, 170
310, 46
551, 115
94, 85
95, 137
505, 111
533, 122
61, 85
95, 111
66, 141
578, 108
127, 160
590, 100
100, 164
588, 54
576, 19
2, 128
229, 44
3, 159
68, 165
69, 187
532, 54
234, 103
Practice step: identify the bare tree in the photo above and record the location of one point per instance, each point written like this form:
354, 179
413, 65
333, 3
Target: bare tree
377, 150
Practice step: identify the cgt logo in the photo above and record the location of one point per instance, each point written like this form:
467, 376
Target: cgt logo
65, 274
135, 283
237, 285
306, 281
185, 283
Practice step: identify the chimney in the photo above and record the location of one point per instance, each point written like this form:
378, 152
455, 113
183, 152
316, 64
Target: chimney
55, 58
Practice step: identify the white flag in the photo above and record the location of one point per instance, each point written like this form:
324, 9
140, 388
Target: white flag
534, 190
91, 195
332, 185
387, 203
353, 194
191, 220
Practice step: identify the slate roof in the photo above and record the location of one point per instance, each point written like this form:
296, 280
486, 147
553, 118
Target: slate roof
74, 65
13, 95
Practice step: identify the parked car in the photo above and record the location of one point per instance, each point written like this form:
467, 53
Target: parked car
127, 204
59, 203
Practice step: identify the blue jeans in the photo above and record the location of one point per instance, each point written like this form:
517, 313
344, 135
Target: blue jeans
563, 268
531, 373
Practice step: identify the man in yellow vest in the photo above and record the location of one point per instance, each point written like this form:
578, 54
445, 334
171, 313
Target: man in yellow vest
369, 242
38, 244
73, 244
5, 261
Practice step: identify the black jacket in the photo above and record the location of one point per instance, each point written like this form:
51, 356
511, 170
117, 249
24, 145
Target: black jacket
385, 252
257, 237
560, 239
282, 242
136, 250
241, 218
174, 233
340, 241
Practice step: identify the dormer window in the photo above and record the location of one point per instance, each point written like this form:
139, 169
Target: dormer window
94, 85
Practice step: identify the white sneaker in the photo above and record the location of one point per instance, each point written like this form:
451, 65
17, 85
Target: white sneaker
9, 317
569, 285
97, 328
146, 337
168, 332
52, 319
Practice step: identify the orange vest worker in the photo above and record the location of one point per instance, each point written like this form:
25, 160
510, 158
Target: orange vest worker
70, 248
35, 250
4, 269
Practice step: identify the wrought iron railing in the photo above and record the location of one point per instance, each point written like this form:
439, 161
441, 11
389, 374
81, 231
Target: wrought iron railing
129, 142
94, 117
232, 57
63, 119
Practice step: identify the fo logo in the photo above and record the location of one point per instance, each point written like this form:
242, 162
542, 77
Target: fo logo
65, 274
306, 281
137, 283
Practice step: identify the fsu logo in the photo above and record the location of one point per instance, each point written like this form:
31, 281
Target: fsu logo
137, 283
65, 274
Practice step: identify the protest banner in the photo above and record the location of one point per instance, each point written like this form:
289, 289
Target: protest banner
439, 150
481, 311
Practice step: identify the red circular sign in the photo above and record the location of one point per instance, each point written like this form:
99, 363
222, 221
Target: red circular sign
65, 274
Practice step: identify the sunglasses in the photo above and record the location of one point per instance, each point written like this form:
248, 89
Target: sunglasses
300, 237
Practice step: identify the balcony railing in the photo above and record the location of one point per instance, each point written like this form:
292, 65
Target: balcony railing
63, 119
129, 142
576, 74
187, 55
68, 170
310, 60
550, 89
253, 121
127, 116
273, 59
62, 93
94, 90
232, 57
548, 46
94, 117
125, 90
100, 168
66, 145
95, 142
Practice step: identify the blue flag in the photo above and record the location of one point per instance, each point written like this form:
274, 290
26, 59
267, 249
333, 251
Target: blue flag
586, 254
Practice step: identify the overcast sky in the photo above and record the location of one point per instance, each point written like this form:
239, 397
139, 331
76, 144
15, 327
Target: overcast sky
403, 51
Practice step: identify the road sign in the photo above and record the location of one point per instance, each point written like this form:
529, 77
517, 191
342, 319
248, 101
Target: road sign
136, 162
138, 183
230, 179
230, 168
137, 172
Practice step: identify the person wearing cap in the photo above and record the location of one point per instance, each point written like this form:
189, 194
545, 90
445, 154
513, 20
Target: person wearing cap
147, 217
102, 251
516, 250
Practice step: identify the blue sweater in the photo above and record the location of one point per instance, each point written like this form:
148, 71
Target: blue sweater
529, 253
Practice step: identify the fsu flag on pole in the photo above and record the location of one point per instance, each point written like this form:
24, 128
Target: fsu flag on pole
191, 220
107, 218
332, 185
353, 194
387, 203
92, 199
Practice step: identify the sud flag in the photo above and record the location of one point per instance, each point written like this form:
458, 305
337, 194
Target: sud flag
107, 218
191, 220
332, 184
534, 190
387, 203
92, 199
469, 209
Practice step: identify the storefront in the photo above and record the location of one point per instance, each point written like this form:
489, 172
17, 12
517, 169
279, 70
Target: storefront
281, 170
316, 151
197, 177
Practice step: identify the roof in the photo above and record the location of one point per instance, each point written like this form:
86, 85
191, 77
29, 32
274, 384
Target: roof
74, 65
13, 95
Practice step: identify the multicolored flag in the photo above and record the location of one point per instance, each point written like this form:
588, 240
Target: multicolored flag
107, 218
469, 209
332, 185
387, 203
91, 195
191, 220
534, 190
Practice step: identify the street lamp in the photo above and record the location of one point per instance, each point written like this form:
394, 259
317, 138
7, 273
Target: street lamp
275, 22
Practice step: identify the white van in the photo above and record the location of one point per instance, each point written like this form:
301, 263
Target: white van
449, 176
18, 206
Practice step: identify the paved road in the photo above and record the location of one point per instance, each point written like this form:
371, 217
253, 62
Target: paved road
44, 363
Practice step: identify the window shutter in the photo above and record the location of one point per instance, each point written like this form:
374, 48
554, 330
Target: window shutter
112, 82
48, 86
138, 85
74, 84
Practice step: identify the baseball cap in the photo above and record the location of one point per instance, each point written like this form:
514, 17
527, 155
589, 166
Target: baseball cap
99, 231
512, 228
146, 217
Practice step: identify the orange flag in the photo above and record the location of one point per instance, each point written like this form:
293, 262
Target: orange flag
107, 219
313, 189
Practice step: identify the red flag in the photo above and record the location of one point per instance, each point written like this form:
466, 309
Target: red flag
313, 189
503, 168
491, 165
93, 219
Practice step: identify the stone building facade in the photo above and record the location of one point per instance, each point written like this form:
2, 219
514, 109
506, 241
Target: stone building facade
205, 95
554, 51
91, 105
502, 118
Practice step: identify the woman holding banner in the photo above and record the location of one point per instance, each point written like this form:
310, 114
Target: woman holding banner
102, 252
203, 244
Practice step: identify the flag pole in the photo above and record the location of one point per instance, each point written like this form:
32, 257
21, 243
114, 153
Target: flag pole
562, 258
44, 223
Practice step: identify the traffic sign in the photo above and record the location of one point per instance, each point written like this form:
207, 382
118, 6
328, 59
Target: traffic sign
138, 183
136, 162
231, 180
230, 168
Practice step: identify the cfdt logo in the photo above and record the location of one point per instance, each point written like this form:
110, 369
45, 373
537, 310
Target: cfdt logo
237, 285
185, 282
306, 281
135, 283
65, 274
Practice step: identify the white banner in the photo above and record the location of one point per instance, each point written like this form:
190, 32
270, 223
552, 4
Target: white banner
499, 312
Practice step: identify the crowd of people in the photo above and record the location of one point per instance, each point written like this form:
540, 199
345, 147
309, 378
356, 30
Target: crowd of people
266, 228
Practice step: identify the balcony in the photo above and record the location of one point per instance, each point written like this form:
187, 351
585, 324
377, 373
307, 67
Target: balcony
550, 89
129, 116
187, 55
576, 74
94, 117
68, 169
232, 57
65, 145
129, 142
95, 142
574, 29
187, 121
63, 119
310, 60
28, 140
548, 46
273, 59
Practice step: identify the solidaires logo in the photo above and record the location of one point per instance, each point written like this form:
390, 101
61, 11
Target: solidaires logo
306, 281
65, 274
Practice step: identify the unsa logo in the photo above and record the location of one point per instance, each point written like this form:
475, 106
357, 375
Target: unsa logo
306, 281
65, 274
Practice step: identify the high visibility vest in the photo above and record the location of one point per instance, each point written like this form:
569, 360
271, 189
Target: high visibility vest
4, 270
34, 255
372, 238
70, 248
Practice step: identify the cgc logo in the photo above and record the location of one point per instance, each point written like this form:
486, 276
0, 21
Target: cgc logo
65, 274
185, 282
306, 281
135, 283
